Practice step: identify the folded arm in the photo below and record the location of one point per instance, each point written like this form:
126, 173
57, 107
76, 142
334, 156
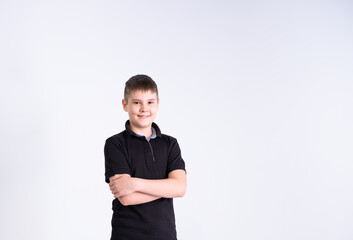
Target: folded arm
131, 191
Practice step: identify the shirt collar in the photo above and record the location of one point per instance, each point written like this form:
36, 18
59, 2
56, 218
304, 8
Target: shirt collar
154, 135
156, 132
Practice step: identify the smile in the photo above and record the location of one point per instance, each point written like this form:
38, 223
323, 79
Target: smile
143, 116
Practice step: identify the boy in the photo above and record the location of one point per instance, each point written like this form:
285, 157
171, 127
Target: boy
144, 169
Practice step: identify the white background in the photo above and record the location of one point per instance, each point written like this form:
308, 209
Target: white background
258, 94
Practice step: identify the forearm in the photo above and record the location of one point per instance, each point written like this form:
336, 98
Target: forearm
137, 198
171, 187
124, 185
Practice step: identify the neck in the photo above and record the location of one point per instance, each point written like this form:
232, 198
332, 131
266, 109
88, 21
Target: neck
147, 132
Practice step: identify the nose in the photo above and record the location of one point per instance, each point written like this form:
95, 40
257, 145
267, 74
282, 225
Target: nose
143, 108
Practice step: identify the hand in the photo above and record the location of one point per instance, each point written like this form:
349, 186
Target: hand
121, 185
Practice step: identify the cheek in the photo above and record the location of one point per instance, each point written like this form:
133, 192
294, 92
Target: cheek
133, 109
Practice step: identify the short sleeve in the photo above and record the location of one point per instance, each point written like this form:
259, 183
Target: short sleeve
115, 159
175, 161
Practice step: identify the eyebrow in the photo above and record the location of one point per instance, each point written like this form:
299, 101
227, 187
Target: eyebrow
152, 99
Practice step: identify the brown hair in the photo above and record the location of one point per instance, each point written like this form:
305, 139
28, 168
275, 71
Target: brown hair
140, 82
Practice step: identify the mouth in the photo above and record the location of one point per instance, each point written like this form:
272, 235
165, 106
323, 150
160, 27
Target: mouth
143, 116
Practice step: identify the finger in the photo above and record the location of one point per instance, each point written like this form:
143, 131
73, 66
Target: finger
114, 177
117, 195
113, 189
111, 184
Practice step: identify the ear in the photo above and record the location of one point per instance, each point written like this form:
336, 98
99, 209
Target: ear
124, 103
157, 103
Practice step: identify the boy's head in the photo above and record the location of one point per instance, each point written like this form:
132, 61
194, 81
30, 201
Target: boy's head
141, 102
140, 82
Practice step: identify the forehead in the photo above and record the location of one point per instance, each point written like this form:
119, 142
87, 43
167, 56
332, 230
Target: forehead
142, 94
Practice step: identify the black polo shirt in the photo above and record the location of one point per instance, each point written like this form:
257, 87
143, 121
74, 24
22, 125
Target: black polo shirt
129, 153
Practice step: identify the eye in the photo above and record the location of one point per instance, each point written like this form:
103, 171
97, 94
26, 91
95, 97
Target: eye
136, 103
151, 102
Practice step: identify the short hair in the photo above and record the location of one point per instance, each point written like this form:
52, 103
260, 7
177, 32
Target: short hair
140, 82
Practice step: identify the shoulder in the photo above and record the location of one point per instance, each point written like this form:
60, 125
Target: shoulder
168, 138
117, 139
170, 143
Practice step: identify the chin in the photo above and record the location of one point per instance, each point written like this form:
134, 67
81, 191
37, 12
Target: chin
143, 125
